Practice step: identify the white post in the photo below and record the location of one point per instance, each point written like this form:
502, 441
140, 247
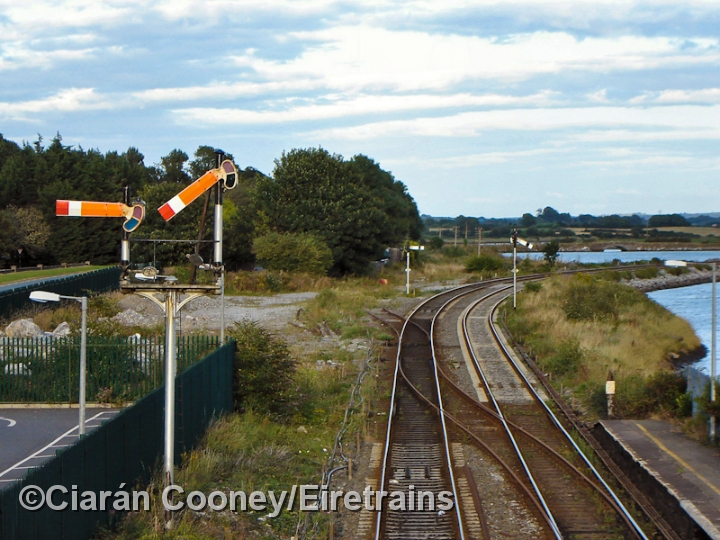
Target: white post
170, 369
83, 365
713, 355
479, 240
515, 275
407, 277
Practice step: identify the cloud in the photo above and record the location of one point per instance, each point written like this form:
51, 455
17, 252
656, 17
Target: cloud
69, 100
357, 58
484, 158
695, 119
355, 106
616, 135
18, 56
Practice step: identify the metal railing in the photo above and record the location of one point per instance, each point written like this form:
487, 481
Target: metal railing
121, 452
45, 370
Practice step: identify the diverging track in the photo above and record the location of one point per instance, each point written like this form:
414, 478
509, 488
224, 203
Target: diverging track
467, 419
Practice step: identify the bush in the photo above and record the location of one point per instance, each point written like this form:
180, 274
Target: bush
663, 392
293, 252
589, 299
646, 273
483, 263
263, 370
533, 286
453, 252
568, 359
435, 242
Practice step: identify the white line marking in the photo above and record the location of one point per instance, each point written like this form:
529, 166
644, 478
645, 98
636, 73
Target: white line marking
51, 445
9, 420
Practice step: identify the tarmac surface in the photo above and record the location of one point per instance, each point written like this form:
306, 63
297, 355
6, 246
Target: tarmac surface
31, 436
689, 470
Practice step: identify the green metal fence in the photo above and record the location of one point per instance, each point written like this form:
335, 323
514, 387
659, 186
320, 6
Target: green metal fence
125, 450
95, 282
45, 370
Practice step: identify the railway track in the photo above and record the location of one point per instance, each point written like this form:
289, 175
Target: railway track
484, 439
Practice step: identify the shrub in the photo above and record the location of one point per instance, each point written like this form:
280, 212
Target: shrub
483, 263
293, 252
435, 242
588, 299
646, 273
453, 252
263, 370
568, 359
533, 286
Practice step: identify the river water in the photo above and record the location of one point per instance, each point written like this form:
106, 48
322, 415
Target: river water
693, 304
597, 257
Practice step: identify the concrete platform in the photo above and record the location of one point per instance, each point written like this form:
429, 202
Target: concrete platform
688, 470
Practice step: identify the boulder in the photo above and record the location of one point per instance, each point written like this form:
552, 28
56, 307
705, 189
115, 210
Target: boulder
18, 369
62, 330
23, 328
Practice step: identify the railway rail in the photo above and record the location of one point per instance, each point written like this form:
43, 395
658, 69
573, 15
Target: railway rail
442, 434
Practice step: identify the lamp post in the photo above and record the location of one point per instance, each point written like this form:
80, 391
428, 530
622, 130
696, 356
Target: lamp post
43, 297
515, 241
713, 342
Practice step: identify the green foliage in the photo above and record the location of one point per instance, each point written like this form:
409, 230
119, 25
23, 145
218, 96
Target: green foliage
590, 299
453, 252
263, 370
533, 286
551, 250
678, 271
668, 220
483, 263
567, 359
661, 393
435, 242
300, 252
646, 273
354, 206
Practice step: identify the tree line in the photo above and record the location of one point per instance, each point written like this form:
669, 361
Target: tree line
341, 213
548, 221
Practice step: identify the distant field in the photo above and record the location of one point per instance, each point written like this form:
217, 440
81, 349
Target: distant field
38, 274
702, 231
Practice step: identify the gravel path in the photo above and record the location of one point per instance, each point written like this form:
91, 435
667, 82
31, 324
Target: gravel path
273, 312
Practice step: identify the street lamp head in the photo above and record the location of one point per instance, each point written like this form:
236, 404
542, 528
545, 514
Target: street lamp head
44, 296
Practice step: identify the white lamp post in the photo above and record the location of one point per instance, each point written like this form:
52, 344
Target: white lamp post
713, 344
515, 241
42, 297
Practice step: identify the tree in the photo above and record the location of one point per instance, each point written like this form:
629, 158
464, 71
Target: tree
355, 207
551, 250
174, 167
528, 220
668, 220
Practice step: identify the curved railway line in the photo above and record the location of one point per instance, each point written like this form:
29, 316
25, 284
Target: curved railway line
487, 439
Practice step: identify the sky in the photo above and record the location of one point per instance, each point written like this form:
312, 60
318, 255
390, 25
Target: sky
482, 108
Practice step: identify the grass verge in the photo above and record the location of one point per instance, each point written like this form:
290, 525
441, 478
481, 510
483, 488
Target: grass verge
583, 327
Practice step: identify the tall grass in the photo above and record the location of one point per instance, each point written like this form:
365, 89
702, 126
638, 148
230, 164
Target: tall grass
582, 327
